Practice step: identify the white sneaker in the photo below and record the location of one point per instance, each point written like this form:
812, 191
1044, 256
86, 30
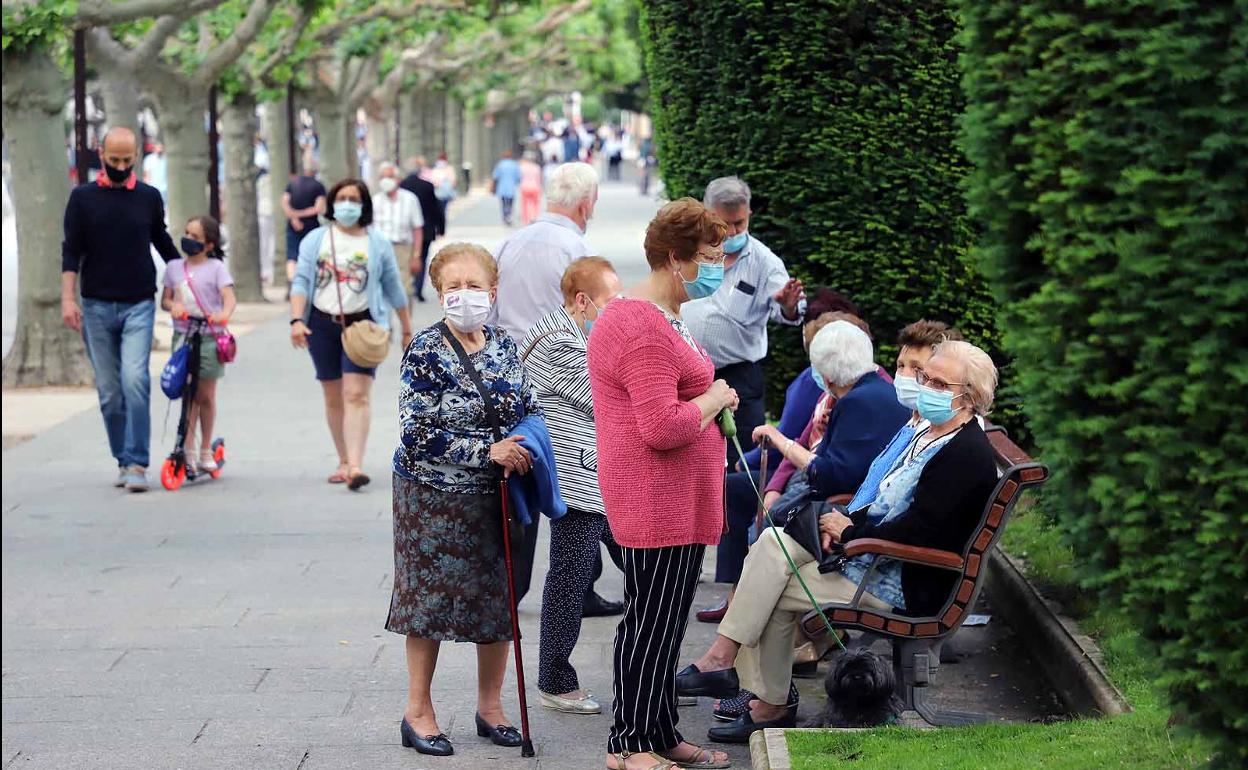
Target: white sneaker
120, 483
207, 462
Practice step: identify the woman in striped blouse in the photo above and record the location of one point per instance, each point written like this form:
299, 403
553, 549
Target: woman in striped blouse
554, 355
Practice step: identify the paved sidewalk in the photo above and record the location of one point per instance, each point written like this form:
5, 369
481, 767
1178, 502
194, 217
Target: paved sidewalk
238, 623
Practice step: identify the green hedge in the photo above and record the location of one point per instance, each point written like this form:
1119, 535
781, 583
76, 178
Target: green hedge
842, 117
1111, 142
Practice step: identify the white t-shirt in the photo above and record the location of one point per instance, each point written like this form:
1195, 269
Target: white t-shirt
352, 272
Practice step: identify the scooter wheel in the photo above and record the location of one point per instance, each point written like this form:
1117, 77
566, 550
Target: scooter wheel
172, 476
218, 454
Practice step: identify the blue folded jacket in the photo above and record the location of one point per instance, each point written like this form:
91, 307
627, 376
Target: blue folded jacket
538, 490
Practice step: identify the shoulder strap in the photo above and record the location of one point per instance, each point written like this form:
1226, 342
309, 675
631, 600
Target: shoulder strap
540, 337
186, 270
333, 270
491, 413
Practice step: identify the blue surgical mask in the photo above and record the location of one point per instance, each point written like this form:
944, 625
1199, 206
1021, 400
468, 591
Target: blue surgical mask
708, 281
589, 322
736, 243
347, 213
907, 391
936, 406
818, 378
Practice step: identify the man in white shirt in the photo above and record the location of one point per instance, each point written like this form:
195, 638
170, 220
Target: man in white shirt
396, 215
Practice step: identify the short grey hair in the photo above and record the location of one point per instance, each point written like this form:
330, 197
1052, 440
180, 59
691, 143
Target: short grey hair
979, 373
726, 192
570, 184
386, 166
841, 353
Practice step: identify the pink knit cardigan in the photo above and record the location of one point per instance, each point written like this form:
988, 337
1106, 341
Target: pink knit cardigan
662, 474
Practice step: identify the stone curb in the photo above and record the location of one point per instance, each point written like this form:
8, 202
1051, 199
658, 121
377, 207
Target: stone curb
1071, 660
770, 751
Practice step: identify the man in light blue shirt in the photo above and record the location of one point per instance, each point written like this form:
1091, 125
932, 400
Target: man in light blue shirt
507, 183
732, 323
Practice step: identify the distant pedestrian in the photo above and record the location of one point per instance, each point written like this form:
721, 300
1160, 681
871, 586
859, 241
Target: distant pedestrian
505, 182
111, 226
199, 286
156, 171
571, 145
731, 322
450, 583
302, 203
417, 183
346, 274
443, 177
613, 148
397, 216
531, 263
530, 188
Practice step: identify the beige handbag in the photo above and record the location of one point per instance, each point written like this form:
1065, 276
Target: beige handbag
366, 343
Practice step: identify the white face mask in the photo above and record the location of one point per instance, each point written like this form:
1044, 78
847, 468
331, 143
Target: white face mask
388, 184
467, 309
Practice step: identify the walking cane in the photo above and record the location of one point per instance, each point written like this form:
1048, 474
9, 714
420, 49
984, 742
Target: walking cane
762, 483
526, 748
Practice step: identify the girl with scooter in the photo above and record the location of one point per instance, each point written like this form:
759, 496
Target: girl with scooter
199, 286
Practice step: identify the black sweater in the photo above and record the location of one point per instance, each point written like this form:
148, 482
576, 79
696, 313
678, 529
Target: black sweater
430, 206
109, 232
949, 501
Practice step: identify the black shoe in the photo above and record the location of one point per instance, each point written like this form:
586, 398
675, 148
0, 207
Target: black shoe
739, 730
598, 607
502, 735
711, 684
436, 745
731, 708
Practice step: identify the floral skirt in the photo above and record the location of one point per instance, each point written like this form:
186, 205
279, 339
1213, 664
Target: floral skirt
450, 580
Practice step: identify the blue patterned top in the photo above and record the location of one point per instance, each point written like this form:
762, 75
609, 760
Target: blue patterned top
896, 492
444, 434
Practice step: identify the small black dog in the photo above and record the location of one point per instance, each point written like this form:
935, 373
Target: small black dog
861, 692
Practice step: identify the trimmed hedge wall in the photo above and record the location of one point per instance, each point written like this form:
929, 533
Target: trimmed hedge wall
842, 117
1111, 142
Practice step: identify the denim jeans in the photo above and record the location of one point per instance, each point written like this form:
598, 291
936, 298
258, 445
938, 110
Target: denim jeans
119, 344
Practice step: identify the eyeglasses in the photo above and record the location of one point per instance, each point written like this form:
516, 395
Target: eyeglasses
713, 257
935, 383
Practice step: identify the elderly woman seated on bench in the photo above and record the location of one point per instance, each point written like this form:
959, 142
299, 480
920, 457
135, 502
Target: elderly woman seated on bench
932, 497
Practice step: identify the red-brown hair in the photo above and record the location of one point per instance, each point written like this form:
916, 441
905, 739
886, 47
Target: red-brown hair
679, 230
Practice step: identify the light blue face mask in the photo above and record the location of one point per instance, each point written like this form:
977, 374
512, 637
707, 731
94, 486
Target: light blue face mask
936, 406
347, 213
907, 388
589, 322
818, 378
735, 243
708, 281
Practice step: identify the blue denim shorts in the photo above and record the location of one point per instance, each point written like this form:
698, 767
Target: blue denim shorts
328, 355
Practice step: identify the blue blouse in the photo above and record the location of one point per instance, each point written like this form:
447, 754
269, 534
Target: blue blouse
444, 434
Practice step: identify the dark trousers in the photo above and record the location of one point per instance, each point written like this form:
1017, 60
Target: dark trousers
523, 557
659, 584
418, 277
575, 563
748, 380
742, 505
507, 203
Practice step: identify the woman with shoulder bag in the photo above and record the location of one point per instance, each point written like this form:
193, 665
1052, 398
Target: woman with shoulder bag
463, 390
352, 279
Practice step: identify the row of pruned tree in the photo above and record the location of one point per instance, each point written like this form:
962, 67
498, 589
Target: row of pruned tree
404, 59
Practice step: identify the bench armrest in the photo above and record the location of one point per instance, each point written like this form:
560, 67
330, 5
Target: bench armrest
914, 554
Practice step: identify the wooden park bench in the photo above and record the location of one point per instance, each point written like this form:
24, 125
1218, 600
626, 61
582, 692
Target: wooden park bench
917, 640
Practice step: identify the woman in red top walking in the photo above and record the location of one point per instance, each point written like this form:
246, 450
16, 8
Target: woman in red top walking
661, 469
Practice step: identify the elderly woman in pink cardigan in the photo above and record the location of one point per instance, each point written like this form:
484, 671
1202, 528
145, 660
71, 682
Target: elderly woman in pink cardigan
661, 469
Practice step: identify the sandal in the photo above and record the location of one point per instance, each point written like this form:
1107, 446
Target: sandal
339, 476
705, 760
621, 760
357, 480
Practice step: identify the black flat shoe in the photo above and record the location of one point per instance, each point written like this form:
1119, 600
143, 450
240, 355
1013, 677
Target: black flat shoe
435, 745
598, 607
501, 735
732, 708
739, 730
712, 684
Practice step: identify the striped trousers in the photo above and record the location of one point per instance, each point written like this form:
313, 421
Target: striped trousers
659, 584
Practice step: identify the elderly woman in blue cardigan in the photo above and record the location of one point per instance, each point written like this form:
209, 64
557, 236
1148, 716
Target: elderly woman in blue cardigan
346, 274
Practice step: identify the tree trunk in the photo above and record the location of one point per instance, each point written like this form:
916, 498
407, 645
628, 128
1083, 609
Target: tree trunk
277, 136
121, 102
239, 122
435, 104
45, 351
455, 134
474, 141
182, 109
380, 142
409, 129
337, 153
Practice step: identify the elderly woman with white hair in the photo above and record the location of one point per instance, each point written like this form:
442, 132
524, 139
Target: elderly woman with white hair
932, 497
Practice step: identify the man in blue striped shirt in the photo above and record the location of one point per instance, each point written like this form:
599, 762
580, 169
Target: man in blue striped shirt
732, 323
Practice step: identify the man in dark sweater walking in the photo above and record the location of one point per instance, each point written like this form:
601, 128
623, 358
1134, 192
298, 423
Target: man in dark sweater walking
435, 219
111, 225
